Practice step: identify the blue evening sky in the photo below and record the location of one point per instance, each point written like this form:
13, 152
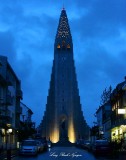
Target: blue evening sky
98, 27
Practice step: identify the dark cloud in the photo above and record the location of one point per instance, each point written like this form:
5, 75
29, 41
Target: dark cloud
102, 20
27, 34
97, 70
112, 12
7, 47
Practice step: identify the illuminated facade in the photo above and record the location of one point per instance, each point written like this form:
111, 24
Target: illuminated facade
118, 118
63, 119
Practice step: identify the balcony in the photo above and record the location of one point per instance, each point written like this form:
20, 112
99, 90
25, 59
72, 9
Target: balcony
19, 93
19, 110
2, 123
119, 122
9, 81
2, 79
2, 108
5, 119
9, 100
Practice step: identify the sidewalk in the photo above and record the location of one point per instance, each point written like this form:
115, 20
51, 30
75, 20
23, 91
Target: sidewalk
10, 153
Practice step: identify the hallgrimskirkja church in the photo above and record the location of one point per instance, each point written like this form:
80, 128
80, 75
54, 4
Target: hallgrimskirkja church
63, 118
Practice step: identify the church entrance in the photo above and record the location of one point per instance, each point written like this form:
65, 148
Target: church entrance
63, 128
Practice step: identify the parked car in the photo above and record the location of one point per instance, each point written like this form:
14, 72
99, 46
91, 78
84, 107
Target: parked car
40, 146
1, 148
86, 145
44, 141
28, 147
79, 143
101, 147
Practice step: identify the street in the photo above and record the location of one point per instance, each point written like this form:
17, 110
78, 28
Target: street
67, 153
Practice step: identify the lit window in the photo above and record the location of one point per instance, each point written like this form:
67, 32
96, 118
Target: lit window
68, 46
58, 46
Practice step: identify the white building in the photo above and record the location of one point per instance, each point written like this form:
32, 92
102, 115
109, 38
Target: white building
103, 115
26, 115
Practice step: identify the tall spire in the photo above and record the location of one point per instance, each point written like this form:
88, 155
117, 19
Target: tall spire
63, 30
63, 36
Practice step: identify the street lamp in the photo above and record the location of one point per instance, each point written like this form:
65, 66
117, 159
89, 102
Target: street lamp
9, 131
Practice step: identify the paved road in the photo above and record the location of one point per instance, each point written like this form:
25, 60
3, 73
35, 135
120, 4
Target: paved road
67, 153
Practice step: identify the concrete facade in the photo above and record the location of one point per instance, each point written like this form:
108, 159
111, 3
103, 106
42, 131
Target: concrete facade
118, 118
103, 115
10, 95
63, 117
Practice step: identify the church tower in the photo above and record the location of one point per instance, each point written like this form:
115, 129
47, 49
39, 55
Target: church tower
63, 118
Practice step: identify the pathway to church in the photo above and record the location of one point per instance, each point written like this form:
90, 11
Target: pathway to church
66, 153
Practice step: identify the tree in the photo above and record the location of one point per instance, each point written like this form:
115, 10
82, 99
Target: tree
105, 97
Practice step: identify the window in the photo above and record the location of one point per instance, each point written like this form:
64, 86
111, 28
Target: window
63, 44
68, 46
58, 46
